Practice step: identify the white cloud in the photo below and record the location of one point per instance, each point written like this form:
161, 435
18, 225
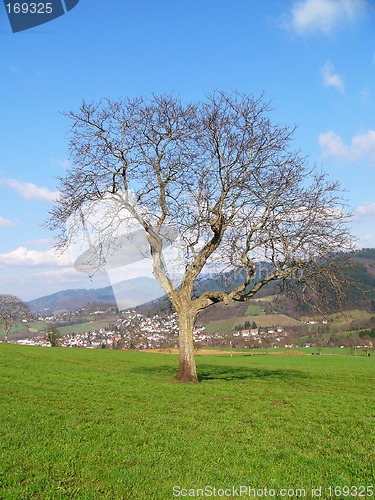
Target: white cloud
66, 277
324, 16
332, 144
362, 146
4, 222
368, 237
365, 95
365, 210
363, 225
44, 242
332, 79
64, 163
30, 191
23, 256
37, 283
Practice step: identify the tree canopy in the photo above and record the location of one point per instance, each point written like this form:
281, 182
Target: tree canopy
217, 179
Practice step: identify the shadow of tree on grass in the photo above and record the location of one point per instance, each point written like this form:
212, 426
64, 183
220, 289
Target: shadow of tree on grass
210, 372
214, 372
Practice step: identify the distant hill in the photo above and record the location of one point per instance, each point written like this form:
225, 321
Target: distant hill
126, 294
72, 300
145, 293
363, 273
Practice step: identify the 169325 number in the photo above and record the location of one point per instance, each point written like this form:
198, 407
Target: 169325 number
30, 8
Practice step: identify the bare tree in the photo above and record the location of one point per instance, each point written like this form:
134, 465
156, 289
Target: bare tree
12, 310
224, 177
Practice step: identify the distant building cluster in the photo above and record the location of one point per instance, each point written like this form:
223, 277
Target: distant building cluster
261, 335
131, 331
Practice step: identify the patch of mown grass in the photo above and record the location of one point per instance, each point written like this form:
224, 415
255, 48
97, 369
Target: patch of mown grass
342, 319
25, 328
262, 320
254, 310
88, 325
91, 424
22, 326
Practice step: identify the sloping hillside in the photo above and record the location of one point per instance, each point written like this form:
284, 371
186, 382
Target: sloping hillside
129, 293
72, 300
142, 290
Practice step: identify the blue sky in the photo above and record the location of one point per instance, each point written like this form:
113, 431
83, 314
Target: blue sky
314, 58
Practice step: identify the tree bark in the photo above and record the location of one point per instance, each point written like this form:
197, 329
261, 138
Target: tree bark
6, 330
187, 371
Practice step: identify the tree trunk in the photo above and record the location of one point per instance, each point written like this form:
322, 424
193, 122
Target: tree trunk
187, 371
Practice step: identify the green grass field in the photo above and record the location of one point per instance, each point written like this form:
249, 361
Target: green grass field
35, 325
94, 424
88, 326
38, 327
253, 310
338, 320
262, 320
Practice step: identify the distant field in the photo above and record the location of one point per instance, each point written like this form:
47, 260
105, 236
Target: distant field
345, 317
253, 310
336, 322
39, 326
34, 326
226, 325
93, 424
87, 326
341, 322
289, 351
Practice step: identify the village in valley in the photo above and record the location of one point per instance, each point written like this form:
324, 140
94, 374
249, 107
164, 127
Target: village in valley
131, 329
268, 322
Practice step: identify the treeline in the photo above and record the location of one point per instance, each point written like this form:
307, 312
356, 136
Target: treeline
246, 326
365, 253
367, 333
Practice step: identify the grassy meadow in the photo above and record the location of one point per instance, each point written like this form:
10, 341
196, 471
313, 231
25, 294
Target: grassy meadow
100, 424
264, 320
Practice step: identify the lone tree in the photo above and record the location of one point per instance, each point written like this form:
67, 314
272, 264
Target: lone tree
222, 175
12, 310
53, 335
